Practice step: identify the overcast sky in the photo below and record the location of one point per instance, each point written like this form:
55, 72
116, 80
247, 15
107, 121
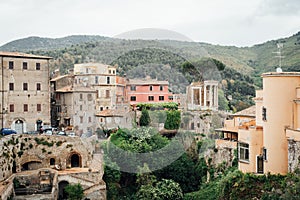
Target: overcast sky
224, 22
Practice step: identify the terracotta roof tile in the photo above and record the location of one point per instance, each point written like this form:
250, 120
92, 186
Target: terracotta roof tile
22, 55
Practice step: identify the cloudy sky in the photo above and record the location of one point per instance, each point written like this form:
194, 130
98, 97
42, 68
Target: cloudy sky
224, 22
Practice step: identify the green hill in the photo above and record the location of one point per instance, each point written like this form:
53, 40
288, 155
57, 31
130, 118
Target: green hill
164, 60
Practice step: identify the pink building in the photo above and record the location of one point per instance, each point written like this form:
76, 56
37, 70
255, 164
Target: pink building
148, 91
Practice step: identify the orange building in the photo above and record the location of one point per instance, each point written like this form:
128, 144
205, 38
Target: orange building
148, 91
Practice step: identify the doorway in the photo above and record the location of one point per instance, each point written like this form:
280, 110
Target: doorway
19, 126
75, 160
260, 164
62, 195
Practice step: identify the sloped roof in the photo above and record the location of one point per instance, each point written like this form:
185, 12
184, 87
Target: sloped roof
248, 112
111, 113
22, 55
146, 82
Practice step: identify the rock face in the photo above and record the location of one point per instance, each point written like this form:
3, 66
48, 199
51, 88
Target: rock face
74, 159
293, 155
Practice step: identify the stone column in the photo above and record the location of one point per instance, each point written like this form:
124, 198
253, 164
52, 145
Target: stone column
200, 96
204, 105
210, 96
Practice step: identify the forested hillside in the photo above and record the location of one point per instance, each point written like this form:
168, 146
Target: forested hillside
167, 60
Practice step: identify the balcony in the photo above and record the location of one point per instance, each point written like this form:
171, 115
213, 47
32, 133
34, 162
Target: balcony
292, 134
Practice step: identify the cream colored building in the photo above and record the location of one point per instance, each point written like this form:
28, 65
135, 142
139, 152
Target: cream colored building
24, 104
270, 144
202, 95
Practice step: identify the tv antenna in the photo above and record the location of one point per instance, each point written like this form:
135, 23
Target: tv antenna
279, 55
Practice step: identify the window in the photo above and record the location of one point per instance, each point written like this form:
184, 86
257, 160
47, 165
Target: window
89, 96
25, 107
264, 113
24, 65
108, 80
38, 107
243, 152
133, 98
161, 88
11, 64
81, 119
107, 93
161, 98
90, 119
80, 96
11, 86
25, 86
170, 97
80, 107
150, 98
11, 108
198, 125
38, 86
265, 154
38, 66
133, 88
96, 79
109, 71
101, 108
192, 126
150, 87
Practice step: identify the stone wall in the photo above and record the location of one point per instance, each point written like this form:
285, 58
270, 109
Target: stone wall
293, 155
19, 151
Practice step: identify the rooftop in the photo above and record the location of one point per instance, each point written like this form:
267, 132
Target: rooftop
280, 74
248, 112
147, 81
22, 55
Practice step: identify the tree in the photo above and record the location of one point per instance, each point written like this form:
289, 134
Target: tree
173, 120
145, 118
164, 189
74, 191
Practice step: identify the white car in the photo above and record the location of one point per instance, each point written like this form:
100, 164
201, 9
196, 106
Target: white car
72, 134
48, 132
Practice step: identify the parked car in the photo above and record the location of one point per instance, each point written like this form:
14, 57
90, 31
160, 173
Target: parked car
7, 131
32, 132
61, 133
72, 134
48, 132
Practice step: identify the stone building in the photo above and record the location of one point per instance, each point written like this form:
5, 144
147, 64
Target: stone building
81, 96
24, 104
202, 95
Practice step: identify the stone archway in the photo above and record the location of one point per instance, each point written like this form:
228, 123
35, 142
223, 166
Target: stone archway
62, 195
31, 165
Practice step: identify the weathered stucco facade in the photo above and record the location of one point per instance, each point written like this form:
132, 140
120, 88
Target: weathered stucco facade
24, 100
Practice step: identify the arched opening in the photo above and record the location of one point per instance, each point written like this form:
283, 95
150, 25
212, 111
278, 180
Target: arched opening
75, 160
62, 195
19, 126
32, 165
52, 161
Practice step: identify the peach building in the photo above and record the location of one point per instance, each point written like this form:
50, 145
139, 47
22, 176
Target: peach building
270, 144
147, 91
235, 122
